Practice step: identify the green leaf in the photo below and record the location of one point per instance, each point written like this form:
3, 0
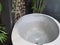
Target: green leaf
3, 34
40, 7
3, 37
0, 7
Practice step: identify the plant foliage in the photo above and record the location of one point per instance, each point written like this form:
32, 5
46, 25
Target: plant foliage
38, 6
3, 34
0, 7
